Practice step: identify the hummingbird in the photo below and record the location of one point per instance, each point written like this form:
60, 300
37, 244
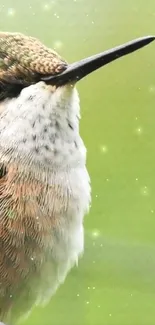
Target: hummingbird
45, 188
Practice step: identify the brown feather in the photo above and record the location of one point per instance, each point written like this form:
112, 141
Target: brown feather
25, 237
24, 61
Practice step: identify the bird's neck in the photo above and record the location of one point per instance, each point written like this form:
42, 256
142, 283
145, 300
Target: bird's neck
41, 132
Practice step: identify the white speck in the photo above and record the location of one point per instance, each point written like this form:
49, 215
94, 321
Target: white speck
152, 211
136, 118
136, 179
11, 12
152, 89
10, 296
107, 179
95, 233
103, 149
96, 195
139, 130
87, 302
57, 45
92, 22
58, 17
78, 295
110, 315
32, 258
46, 7
131, 295
98, 306
88, 288
94, 288
144, 191
2, 7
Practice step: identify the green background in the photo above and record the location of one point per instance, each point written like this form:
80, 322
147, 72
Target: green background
115, 281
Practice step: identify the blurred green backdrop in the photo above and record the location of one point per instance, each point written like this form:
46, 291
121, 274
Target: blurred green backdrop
115, 281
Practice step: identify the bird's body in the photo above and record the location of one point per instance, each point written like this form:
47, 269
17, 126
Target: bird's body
44, 194
44, 184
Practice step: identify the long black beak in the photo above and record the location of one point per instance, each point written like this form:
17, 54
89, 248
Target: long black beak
78, 70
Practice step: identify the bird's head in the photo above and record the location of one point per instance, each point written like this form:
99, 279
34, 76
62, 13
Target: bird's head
25, 61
